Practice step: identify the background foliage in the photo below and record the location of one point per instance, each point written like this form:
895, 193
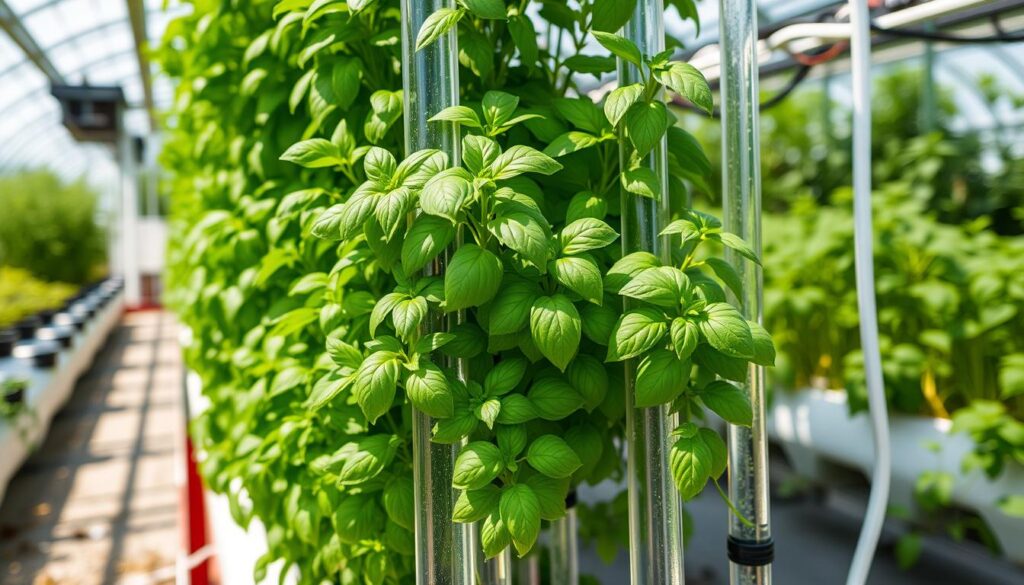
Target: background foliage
51, 227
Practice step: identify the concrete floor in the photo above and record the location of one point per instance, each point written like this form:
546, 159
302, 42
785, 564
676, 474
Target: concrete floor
97, 502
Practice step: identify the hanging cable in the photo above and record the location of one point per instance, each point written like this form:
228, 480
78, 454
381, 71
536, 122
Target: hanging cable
919, 34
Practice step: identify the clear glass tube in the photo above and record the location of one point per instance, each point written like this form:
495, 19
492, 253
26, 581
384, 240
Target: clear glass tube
655, 509
741, 187
445, 551
565, 568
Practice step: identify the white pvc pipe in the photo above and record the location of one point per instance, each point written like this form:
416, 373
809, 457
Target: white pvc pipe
874, 516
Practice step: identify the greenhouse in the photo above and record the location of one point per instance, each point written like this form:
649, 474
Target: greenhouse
511, 292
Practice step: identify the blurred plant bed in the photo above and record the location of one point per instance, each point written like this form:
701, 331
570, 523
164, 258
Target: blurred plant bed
951, 318
23, 296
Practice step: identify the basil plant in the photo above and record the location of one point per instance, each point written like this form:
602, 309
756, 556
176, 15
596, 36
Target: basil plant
302, 231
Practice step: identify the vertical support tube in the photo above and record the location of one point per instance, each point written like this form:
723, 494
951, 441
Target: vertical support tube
878, 501
431, 83
565, 568
750, 546
929, 107
655, 509
129, 219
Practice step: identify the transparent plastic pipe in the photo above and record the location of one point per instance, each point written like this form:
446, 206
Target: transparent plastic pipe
430, 78
878, 501
741, 187
655, 510
565, 568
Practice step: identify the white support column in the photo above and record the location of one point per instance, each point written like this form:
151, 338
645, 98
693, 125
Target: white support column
129, 236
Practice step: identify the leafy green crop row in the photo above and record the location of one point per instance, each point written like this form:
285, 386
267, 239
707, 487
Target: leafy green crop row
23, 295
302, 228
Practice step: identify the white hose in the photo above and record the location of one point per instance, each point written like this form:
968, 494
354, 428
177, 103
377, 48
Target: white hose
874, 517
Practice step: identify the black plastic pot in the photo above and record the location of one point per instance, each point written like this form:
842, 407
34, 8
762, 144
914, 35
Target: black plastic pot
62, 334
27, 326
46, 316
8, 337
76, 321
43, 354
15, 397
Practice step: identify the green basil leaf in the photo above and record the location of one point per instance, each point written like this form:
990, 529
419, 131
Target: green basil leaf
419, 167
473, 278
552, 398
475, 505
512, 439
690, 461
375, 384
516, 409
524, 35
505, 376
569, 143
665, 286
660, 378
498, 107
453, 430
328, 224
522, 233
727, 274
729, 402
764, 349
611, 15
357, 210
399, 501
726, 330
494, 535
510, 310
427, 389
428, 236
728, 367
583, 114
553, 457
596, 65
685, 335
689, 82
446, 194
627, 267
492, 9
621, 47
646, 124
520, 511
386, 110
521, 159
636, 332
383, 308
719, 452
585, 205
555, 326
368, 459
392, 210
620, 100
346, 77
598, 322
477, 465
580, 275
315, 153
326, 389
460, 114
437, 24
588, 376
479, 152
642, 181
551, 494
736, 243
586, 234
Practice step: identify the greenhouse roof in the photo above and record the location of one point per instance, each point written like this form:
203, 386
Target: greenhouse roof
98, 42
74, 42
